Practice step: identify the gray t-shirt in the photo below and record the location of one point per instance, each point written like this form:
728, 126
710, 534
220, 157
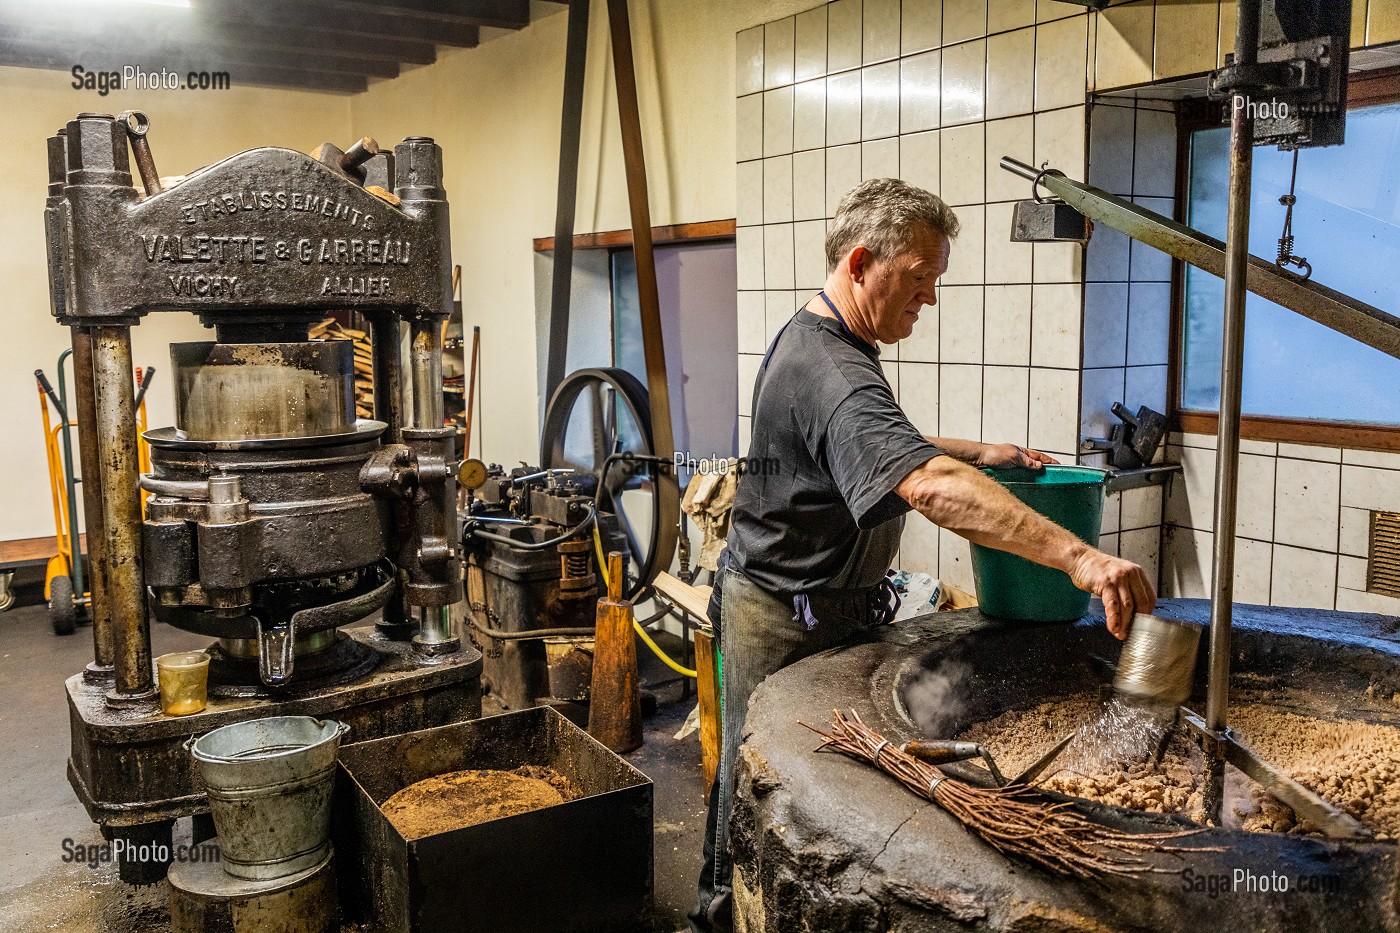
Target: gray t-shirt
816, 508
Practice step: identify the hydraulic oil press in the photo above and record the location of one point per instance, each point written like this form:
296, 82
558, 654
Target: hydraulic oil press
275, 517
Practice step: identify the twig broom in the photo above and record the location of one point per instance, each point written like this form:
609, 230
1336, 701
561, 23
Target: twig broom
1014, 820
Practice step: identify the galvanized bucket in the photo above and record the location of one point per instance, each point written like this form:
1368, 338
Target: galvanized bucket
1158, 660
570, 661
269, 783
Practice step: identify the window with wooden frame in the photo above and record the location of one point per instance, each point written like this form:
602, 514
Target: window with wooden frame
1303, 382
696, 276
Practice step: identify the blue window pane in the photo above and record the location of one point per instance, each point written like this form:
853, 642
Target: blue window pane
1346, 223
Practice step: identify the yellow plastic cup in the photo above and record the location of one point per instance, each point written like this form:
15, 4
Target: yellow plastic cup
184, 682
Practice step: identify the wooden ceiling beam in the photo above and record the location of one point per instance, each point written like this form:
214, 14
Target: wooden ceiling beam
151, 56
181, 62
505, 14
316, 15
198, 34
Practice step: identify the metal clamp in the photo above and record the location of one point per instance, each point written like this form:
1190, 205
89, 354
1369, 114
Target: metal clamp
1045, 169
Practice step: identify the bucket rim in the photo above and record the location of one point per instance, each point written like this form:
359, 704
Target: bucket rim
1007, 475
336, 731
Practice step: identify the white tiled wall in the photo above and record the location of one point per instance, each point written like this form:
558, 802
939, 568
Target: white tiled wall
1127, 290
1127, 303
934, 92
1302, 529
1030, 344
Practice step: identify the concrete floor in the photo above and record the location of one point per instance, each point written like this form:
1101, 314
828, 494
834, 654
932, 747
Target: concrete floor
38, 810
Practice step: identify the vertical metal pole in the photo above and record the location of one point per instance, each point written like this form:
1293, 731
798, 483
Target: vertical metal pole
425, 357
388, 374
1227, 451
570, 129
85, 404
435, 630
121, 513
386, 349
75, 540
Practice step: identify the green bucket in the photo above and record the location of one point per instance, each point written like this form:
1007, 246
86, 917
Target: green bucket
1011, 587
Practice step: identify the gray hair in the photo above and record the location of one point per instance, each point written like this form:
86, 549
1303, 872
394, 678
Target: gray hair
882, 215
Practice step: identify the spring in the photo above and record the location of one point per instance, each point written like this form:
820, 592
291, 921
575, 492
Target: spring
576, 565
576, 560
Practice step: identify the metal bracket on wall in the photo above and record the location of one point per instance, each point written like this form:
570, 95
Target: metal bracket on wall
1155, 475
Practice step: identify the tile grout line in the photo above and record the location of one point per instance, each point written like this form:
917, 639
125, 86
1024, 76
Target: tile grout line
1273, 527
982, 371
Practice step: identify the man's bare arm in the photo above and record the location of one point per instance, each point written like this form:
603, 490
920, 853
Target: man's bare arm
991, 455
956, 496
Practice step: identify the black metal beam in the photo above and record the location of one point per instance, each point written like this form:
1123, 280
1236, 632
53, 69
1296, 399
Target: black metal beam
199, 34
506, 14
310, 14
26, 55
1316, 302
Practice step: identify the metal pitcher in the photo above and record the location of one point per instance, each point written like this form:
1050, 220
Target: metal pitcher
1158, 660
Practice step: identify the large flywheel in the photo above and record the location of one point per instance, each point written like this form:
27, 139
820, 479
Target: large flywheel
599, 422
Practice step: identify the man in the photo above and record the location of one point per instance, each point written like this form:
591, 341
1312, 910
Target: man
811, 541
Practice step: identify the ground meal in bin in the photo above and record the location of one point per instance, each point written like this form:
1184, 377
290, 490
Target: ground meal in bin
465, 798
1352, 764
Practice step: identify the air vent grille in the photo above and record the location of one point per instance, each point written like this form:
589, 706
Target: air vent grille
1383, 573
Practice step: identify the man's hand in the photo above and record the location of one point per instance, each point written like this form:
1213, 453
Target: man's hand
1009, 455
1121, 584
954, 495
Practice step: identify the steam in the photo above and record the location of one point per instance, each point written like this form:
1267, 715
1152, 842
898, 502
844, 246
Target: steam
934, 697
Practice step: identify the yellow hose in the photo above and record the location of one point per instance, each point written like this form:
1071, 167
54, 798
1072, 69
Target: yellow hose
641, 632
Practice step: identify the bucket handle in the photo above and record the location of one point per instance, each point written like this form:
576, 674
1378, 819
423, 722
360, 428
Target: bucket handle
341, 728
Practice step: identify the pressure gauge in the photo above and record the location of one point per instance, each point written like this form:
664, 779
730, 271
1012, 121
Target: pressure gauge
472, 473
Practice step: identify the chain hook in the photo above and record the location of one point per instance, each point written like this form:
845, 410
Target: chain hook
1045, 169
1285, 241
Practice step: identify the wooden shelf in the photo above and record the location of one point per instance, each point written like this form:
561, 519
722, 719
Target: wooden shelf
30, 552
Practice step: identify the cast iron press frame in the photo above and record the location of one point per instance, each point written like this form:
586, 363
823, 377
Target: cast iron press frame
264, 242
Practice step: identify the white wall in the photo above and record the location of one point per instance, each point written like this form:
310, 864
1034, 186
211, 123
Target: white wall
496, 109
1020, 349
189, 129
1302, 532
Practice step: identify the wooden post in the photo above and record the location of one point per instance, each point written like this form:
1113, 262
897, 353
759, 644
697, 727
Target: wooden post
615, 708
471, 392
707, 691
695, 601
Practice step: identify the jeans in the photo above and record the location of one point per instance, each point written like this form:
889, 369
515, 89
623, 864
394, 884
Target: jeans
758, 636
